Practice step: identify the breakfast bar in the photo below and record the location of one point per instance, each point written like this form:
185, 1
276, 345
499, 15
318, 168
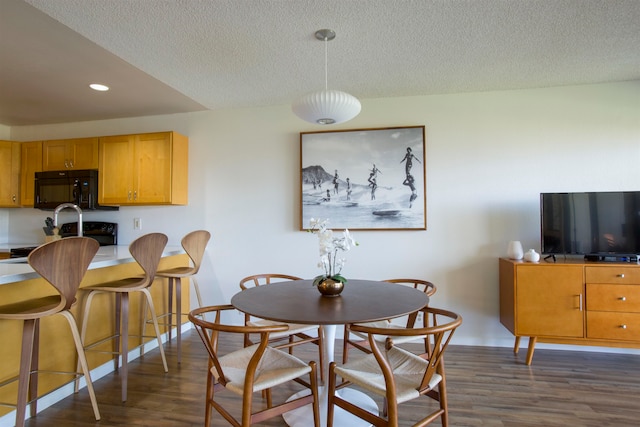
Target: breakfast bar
18, 282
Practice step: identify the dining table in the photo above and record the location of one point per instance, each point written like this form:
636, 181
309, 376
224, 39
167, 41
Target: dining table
298, 301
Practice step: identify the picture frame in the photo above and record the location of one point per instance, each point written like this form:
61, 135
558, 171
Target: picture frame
364, 179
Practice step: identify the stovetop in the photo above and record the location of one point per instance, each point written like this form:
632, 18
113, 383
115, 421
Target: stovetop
106, 233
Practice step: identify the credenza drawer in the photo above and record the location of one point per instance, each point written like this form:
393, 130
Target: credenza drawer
612, 274
614, 326
621, 298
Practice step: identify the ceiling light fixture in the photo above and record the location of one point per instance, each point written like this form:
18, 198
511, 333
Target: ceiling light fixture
99, 87
326, 107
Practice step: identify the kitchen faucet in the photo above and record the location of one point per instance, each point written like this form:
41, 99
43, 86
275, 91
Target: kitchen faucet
70, 206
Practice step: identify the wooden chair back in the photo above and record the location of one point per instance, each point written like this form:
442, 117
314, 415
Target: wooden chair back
194, 244
63, 263
422, 285
439, 334
265, 279
147, 251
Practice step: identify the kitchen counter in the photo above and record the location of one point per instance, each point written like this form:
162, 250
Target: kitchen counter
17, 269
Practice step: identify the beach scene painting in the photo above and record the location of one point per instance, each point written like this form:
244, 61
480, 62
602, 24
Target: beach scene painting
366, 179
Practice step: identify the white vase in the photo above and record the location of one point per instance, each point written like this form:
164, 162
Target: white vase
514, 250
532, 256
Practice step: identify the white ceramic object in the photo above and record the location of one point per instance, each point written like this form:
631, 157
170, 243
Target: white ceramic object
532, 256
514, 250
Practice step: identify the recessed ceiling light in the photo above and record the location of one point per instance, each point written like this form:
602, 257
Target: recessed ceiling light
96, 86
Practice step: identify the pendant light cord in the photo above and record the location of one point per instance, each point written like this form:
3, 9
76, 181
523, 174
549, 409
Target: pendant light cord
326, 66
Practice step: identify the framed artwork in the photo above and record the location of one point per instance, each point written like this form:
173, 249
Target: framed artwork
364, 179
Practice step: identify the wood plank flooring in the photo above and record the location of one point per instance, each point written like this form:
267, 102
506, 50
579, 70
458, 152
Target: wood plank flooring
486, 387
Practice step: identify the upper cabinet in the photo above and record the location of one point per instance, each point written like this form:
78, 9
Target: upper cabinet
144, 169
80, 153
31, 163
9, 174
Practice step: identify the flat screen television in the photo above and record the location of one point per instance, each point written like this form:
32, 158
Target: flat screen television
598, 225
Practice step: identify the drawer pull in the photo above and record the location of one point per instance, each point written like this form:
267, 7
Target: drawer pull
621, 276
623, 326
622, 298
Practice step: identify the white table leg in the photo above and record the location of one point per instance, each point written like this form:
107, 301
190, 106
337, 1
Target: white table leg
303, 417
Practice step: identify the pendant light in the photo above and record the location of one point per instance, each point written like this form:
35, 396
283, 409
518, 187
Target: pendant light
326, 107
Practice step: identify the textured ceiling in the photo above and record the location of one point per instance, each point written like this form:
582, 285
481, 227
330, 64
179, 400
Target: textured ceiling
166, 56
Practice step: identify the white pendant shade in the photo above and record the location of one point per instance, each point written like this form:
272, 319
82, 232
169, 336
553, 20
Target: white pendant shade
327, 107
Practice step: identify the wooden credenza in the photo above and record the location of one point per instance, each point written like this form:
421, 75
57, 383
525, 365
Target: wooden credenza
571, 302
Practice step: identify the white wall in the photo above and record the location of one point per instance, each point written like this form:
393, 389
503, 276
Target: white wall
489, 155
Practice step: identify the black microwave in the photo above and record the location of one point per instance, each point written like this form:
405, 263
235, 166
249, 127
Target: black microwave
79, 187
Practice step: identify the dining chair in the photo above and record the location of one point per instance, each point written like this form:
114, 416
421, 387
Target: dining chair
147, 251
248, 370
296, 334
63, 264
396, 374
194, 244
359, 340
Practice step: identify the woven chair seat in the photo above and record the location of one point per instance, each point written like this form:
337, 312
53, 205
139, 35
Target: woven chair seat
276, 367
408, 370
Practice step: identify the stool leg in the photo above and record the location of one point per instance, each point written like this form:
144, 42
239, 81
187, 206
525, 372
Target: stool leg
33, 374
82, 361
155, 326
179, 316
123, 310
28, 334
197, 288
119, 329
169, 324
83, 331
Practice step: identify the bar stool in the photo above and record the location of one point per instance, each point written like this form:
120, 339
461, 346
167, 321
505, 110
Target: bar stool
147, 251
194, 244
63, 264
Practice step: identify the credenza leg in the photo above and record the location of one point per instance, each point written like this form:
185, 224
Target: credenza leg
516, 345
532, 345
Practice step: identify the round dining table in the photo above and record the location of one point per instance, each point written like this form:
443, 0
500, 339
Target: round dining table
298, 301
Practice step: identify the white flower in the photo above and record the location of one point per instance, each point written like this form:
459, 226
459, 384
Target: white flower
329, 245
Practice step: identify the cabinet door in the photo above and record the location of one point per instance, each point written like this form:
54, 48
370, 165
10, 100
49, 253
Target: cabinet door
31, 163
9, 174
549, 301
84, 153
115, 180
54, 155
152, 179
80, 153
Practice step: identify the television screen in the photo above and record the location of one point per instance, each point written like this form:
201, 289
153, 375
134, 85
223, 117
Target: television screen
596, 223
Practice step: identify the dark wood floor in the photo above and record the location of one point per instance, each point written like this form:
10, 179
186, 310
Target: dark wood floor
487, 387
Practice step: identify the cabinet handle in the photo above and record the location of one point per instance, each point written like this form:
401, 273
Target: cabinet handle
71, 164
129, 195
135, 195
621, 275
579, 302
623, 326
622, 298
13, 198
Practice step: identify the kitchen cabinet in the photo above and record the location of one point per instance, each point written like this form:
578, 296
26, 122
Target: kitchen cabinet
9, 174
143, 169
571, 302
79, 153
31, 162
